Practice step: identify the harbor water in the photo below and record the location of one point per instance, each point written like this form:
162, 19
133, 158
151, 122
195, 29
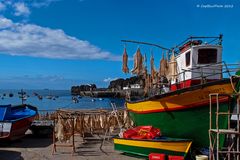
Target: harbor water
57, 99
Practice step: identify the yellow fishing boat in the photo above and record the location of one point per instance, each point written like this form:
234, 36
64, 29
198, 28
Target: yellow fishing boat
143, 147
180, 104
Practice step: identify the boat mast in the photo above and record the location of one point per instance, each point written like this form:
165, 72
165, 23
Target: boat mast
22, 95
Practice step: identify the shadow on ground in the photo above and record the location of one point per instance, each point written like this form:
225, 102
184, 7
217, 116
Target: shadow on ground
10, 155
28, 141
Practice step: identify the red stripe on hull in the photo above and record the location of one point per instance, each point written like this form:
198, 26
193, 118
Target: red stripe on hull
188, 83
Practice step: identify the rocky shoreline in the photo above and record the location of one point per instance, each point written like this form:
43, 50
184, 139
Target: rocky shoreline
115, 88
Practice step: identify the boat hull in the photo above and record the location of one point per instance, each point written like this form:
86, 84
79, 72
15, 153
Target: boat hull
190, 124
20, 127
15, 129
183, 114
145, 147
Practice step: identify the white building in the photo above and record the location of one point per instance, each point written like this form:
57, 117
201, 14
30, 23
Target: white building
125, 88
135, 86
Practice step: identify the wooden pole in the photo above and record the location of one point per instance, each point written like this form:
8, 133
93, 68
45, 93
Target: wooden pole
238, 125
217, 114
54, 138
73, 143
210, 126
146, 43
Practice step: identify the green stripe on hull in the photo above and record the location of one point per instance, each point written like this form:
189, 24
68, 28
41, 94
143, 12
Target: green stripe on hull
143, 151
189, 123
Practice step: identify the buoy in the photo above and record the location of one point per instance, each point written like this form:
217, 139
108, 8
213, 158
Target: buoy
201, 157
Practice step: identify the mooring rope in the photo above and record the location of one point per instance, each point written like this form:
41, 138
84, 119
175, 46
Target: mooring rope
231, 80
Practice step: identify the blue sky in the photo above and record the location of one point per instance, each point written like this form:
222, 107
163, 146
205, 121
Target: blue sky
59, 43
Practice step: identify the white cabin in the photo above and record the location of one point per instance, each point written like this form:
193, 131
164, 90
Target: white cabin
196, 63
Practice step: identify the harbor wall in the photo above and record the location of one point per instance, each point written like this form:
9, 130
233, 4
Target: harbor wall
112, 94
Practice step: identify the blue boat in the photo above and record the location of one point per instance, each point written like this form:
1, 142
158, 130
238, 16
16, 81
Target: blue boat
15, 120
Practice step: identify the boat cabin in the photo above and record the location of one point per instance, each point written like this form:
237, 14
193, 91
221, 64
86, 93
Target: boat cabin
197, 63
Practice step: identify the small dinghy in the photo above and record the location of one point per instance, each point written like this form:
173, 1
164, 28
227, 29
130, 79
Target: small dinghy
143, 147
15, 120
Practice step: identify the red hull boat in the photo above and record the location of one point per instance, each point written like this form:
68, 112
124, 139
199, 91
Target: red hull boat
15, 120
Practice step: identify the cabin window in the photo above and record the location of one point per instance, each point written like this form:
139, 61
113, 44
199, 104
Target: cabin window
206, 56
188, 58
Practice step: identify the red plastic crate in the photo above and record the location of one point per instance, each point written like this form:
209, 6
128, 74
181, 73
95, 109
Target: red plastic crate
156, 156
175, 157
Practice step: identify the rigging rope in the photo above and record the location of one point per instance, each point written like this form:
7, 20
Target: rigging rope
231, 80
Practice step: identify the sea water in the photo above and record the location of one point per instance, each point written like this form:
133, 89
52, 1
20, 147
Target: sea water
60, 99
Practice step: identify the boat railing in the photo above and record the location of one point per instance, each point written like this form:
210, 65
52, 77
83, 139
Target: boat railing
204, 71
222, 64
211, 40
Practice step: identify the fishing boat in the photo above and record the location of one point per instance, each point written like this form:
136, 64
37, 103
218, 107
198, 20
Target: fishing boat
15, 120
11, 95
40, 97
24, 97
143, 147
187, 75
49, 97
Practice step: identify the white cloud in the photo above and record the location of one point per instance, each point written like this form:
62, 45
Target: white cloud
109, 79
42, 3
5, 23
32, 40
21, 9
8, 2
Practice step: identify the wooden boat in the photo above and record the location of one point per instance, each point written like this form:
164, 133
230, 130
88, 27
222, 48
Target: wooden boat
182, 113
143, 147
183, 109
15, 120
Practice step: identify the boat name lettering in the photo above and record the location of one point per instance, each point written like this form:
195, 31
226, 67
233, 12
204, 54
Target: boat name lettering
205, 95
